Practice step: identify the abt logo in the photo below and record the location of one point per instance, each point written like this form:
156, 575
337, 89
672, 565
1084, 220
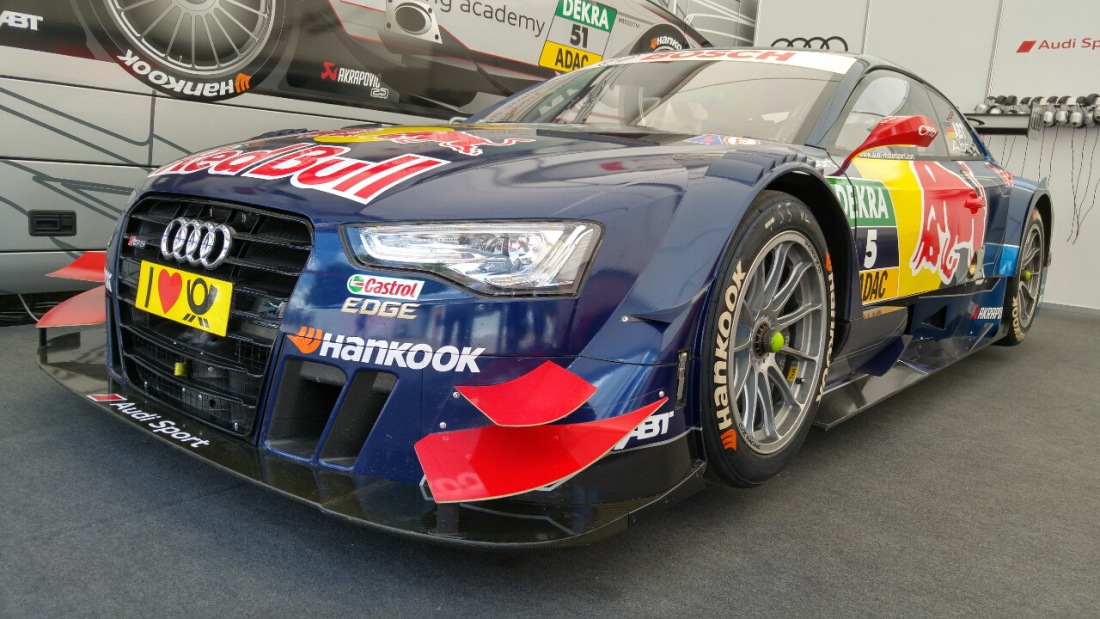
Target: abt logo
23, 21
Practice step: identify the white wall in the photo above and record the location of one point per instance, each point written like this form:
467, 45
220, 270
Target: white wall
807, 19
947, 42
1072, 167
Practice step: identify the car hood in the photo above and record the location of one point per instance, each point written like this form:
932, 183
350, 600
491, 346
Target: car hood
441, 172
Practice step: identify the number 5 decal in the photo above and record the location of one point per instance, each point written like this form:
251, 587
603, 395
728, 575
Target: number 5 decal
871, 253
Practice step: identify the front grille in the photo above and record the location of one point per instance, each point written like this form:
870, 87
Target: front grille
223, 376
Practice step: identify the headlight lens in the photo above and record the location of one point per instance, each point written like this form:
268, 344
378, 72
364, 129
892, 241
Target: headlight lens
501, 258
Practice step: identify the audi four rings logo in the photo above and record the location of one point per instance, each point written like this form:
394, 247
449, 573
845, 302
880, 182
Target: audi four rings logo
836, 44
196, 242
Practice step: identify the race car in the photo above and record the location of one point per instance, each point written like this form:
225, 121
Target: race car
530, 328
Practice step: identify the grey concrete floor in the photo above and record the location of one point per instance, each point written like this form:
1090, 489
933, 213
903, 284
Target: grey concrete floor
975, 493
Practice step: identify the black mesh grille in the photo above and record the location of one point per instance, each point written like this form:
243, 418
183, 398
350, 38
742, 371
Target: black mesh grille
222, 377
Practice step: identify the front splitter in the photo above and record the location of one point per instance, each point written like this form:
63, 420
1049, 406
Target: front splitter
77, 360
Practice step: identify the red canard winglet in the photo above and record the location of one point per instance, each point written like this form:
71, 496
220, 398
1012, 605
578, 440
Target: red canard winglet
545, 395
87, 268
86, 308
494, 461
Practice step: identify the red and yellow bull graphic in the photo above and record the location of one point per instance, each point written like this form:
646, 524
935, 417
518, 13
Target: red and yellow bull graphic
952, 227
918, 224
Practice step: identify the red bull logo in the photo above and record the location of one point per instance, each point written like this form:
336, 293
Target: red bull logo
952, 220
309, 166
459, 141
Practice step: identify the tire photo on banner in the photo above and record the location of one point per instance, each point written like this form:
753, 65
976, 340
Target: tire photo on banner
661, 38
202, 50
767, 341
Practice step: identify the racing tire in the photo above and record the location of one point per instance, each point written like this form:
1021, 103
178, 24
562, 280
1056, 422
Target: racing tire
1023, 289
661, 38
767, 341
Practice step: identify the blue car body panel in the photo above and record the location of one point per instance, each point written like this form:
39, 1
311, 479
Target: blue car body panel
667, 209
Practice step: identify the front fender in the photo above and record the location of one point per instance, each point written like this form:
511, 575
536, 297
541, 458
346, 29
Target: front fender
659, 315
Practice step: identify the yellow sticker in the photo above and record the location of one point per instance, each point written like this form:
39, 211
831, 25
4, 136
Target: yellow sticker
188, 298
342, 136
792, 373
878, 285
564, 58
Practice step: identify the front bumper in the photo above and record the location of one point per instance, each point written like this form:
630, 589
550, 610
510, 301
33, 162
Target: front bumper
571, 514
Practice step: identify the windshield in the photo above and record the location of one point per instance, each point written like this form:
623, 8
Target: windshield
743, 99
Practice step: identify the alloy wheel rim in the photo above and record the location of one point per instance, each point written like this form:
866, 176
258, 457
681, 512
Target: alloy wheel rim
197, 37
783, 301
1027, 290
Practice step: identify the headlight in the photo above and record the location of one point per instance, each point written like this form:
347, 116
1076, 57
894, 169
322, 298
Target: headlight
501, 258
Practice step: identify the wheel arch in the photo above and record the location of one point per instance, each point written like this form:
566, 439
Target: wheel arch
1045, 209
814, 191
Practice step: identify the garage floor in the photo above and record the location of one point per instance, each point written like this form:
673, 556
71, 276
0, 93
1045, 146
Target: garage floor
976, 493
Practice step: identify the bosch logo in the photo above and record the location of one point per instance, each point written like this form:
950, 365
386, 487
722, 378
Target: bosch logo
196, 242
836, 44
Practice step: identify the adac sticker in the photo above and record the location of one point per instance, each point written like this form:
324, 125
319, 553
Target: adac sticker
468, 142
878, 285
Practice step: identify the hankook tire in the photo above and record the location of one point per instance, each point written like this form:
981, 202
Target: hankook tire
1023, 290
767, 341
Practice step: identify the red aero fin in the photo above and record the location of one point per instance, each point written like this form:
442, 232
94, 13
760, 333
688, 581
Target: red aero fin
87, 268
86, 308
494, 461
542, 396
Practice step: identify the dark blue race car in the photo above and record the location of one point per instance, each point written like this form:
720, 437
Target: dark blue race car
528, 328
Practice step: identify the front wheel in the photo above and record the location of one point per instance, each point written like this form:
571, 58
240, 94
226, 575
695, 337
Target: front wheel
767, 341
1022, 293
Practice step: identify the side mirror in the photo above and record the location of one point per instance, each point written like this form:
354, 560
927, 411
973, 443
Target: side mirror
895, 131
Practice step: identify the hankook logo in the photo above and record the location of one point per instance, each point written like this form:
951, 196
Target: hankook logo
196, 242
836, 44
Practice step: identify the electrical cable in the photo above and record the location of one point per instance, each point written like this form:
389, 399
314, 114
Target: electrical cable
1027, 144
1053, 150
1042, 149
29, 312
1092, 160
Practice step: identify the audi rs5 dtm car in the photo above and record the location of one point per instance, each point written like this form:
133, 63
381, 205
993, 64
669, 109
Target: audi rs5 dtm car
528, 328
